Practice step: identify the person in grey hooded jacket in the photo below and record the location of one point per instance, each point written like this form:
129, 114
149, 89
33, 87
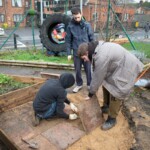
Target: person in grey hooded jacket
115, 69
50, 99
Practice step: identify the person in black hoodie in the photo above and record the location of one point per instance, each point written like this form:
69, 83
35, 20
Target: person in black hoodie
49, 100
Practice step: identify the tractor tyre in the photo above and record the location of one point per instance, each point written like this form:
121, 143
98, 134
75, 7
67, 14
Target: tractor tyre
46, 29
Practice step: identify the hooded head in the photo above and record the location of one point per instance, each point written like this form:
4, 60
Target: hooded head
67, 80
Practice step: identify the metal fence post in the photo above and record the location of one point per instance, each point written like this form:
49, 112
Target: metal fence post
15, 40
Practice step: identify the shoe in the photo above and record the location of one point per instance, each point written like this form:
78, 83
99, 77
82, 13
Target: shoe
104, 109
109, 123
77, 88
88, 87
36, 120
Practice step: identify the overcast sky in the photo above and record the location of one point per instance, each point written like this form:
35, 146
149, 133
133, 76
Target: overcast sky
139, 1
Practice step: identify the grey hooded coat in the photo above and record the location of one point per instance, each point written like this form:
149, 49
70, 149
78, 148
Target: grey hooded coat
115, 68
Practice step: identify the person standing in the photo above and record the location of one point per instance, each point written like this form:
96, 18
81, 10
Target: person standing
116, 69
79, 31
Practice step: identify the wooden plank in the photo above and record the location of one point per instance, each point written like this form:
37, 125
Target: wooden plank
8, 141
119, 40
18, 97
27, 79
49, 75
17, 93
16, 103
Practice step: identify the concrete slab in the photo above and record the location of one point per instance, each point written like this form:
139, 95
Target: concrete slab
63, 135
42, 142
90, 114
14, 127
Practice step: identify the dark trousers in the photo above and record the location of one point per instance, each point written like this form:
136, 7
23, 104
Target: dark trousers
113, 103
87, 67
50, 112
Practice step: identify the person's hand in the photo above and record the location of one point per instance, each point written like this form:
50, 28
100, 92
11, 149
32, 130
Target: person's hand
69, 57
73, 107
73, 116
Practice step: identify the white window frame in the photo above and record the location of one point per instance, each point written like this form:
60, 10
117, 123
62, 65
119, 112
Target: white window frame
26, 4
126, 17
2, 18
95, 16
16, 3
1, 3
46, 4
17, 17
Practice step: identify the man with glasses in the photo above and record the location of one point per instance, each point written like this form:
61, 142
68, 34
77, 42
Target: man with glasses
79, 31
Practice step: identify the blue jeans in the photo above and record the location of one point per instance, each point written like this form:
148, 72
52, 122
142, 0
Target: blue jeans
49, 113
87, 67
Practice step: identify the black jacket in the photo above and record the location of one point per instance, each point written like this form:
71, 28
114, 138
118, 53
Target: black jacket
54, 90
78, 33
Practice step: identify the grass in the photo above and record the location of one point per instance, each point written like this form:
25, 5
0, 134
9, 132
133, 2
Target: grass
39, 56
140, 46
33, 55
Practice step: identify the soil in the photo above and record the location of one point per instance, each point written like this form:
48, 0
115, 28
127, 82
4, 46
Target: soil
12, 87
7, 88
137, 110
132, 129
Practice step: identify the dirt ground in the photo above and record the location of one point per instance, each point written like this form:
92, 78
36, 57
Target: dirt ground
132, 129
137, 110
118, 138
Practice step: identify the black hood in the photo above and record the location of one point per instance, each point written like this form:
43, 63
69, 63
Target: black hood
67, 80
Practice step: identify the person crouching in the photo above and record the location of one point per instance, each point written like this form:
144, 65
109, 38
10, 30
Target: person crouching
50, 99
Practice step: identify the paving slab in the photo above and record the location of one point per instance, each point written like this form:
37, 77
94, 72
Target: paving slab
90, 114
42, 142
13, 126
63, 135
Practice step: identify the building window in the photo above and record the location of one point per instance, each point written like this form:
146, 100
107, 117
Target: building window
17, 3
95, 16
27, 4
126, 17
17, 17
2, 18
1, 3
46, 3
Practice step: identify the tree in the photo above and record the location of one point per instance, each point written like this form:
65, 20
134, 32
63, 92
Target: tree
146, 4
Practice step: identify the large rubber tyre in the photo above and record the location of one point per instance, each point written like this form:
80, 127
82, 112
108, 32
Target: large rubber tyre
45, 32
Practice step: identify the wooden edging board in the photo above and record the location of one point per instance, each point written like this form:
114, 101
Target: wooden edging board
10, 144
20, 96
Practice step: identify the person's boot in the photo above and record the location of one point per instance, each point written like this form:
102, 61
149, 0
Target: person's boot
104, 109
36, 120
109, 123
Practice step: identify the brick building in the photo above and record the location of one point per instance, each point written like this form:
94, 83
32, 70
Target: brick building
12, 11
95, 11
